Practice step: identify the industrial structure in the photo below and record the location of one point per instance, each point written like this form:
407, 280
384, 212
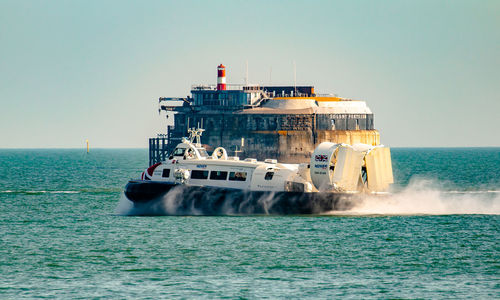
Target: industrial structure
279, 122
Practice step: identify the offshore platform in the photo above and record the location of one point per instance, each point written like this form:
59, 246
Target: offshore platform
279, 122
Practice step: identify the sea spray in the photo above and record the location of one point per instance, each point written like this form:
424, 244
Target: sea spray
427, 197
125, 206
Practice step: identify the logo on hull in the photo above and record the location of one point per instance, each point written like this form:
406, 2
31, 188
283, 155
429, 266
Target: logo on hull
321, 158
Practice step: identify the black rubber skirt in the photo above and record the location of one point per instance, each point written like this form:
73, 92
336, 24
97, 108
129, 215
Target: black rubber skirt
195, 200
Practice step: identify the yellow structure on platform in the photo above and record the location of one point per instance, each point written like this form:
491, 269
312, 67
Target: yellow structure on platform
350, 137
318, 98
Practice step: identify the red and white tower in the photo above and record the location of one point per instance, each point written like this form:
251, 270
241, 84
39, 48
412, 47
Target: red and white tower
221, 78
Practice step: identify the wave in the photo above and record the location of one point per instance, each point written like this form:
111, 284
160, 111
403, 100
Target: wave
472, 192
81, 191
38, 192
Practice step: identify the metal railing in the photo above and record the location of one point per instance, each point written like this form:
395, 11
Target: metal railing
231, 87
162, 145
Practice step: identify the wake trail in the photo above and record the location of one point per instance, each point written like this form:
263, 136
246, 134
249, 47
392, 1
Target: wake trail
425, 197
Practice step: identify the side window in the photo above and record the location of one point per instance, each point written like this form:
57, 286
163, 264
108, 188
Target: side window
218, 175
179, 152
269, 176
166, 173
238, 176
198, 174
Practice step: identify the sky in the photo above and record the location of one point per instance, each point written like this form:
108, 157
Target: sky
77, 70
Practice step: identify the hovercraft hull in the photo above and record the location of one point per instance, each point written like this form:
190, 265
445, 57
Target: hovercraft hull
204, 200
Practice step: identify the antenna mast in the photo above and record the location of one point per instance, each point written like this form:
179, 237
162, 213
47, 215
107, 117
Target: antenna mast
294, 79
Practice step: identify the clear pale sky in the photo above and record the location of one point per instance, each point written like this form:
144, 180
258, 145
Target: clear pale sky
76, 70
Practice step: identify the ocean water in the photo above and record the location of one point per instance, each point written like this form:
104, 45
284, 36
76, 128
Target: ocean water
65, 233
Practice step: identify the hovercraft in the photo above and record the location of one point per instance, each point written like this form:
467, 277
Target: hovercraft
195, 182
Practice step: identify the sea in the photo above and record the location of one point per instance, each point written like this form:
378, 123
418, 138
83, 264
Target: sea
68, 232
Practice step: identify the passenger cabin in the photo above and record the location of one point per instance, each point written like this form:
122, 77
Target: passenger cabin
190, 163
